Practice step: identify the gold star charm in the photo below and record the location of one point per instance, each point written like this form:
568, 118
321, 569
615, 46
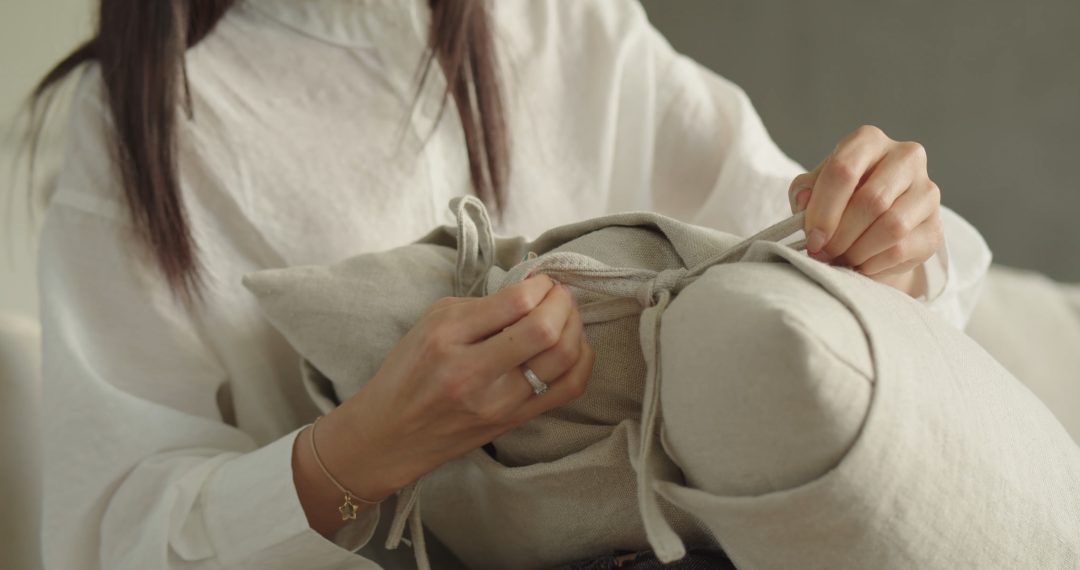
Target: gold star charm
348, 509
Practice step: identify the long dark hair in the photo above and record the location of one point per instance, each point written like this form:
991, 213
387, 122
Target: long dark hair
140, 47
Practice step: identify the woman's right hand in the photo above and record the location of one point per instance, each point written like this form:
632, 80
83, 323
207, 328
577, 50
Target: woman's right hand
454, 383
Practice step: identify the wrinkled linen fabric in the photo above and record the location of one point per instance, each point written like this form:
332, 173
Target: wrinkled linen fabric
744, 395
304, 147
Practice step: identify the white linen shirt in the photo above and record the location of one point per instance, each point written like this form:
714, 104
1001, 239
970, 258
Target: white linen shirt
169, 433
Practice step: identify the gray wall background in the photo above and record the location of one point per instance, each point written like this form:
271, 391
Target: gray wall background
34, 34
991, 88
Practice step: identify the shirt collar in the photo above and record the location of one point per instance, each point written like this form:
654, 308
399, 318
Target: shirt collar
385, 24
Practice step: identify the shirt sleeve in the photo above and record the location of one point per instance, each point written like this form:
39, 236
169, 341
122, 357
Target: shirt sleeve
715, 165
140, 469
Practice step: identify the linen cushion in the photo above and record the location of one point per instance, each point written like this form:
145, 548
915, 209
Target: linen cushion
956, 464
797, 414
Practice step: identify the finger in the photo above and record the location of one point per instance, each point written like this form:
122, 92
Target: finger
907, 213
836, 183
555, 361
531, 335
564, 389
800, 188
483, 317
918, 247
873, 198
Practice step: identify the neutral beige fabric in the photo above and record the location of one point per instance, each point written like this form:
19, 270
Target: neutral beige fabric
820, 420
957, 465
784, 389
318, 308
1031, 325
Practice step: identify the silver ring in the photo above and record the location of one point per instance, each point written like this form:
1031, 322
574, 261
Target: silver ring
538, 385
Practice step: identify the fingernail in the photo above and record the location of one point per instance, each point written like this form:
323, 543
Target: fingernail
801, 199
815, 241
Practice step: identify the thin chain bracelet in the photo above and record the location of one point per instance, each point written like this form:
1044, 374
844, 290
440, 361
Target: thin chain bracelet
348, 508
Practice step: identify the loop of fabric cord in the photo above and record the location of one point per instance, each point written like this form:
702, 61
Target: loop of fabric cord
475, 245
652, 290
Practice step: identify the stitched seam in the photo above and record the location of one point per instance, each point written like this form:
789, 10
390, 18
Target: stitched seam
810, 334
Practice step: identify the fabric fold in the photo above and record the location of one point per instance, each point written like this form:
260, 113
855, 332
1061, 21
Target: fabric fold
627, 291
751, 328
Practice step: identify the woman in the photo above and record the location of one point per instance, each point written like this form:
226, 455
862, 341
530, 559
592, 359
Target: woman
297, 132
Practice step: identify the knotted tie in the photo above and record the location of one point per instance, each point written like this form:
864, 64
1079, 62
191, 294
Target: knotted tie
624, 292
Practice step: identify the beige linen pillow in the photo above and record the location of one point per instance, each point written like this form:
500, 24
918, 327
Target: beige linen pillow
957, 464
797, 414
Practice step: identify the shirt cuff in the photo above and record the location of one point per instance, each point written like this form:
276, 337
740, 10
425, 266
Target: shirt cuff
937, 274
955, 273
255, 518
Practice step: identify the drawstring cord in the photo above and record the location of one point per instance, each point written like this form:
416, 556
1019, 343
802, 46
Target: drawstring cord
627, 291
657, 295
475, 257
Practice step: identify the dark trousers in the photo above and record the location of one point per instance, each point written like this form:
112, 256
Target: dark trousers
695, 559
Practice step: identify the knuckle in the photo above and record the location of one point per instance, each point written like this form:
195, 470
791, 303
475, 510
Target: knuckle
937, 229
577, 386
913, 151
521, 301
462, 370
544, 333
489, 415
935, 192
834, 249
435, 346
874, 201
842, 170
442, 330
566, 353
895, 226
453, 384
899, 253
580, 382
869, 131
574, 353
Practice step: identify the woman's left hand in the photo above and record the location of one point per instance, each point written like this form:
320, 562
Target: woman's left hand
870, 205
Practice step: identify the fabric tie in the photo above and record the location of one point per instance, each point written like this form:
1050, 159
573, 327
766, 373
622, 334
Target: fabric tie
626, 291
475, 256
666, 281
